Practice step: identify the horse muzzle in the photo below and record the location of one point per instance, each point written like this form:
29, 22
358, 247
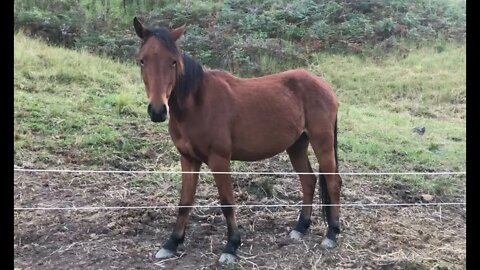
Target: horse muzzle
157, 116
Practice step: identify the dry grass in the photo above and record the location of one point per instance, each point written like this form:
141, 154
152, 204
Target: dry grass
372, 238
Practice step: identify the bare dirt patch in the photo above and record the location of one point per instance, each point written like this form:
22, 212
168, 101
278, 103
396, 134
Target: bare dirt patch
424, 237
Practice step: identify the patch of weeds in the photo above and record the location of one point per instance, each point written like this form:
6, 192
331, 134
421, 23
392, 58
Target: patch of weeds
434, 147
262, 187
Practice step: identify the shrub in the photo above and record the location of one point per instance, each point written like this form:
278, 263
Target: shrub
241, 35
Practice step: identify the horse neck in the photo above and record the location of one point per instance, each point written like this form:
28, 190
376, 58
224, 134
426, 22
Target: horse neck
187, 89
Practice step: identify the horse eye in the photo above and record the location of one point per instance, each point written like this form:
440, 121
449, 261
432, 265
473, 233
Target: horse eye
141, 62
174, 63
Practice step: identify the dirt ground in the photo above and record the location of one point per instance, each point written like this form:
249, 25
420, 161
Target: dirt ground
421, 237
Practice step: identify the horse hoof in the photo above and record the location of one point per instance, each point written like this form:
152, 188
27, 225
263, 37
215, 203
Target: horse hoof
296, 235
227, 258
328, 244
164, 254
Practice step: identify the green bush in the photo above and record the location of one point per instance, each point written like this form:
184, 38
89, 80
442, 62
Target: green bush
240, 35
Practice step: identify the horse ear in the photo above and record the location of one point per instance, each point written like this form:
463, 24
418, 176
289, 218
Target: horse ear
139, 28
178, 32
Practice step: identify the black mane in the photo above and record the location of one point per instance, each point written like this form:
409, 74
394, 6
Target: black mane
189, 80
189, 71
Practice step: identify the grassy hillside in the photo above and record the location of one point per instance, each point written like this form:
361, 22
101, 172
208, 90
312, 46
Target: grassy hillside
430, 81
75, 110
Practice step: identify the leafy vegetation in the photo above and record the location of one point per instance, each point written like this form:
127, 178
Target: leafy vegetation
248, 37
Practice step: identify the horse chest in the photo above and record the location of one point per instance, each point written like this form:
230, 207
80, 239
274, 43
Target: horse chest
186, 146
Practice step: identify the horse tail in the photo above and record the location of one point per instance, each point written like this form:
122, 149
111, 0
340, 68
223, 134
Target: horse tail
335, 145
324, 197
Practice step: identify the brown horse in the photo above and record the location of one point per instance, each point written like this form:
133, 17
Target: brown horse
215, 117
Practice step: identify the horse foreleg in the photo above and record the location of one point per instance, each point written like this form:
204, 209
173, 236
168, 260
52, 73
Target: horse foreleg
299, 159
187, 196
225, 191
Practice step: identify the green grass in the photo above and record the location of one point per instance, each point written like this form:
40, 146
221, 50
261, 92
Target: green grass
372, 139
383, 99
75, 110
428, 82
375, 138
67, 101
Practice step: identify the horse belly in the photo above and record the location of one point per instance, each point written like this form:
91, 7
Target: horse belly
266, 140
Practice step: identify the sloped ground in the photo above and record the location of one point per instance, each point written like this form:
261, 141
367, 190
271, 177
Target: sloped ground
76, 111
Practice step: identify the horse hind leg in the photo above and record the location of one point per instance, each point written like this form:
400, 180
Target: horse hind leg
298, 154
330, 185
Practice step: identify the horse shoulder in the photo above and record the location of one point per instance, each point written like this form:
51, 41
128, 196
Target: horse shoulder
217, 107
218, 86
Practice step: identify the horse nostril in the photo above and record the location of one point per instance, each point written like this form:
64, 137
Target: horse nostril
149, 109
164, 109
